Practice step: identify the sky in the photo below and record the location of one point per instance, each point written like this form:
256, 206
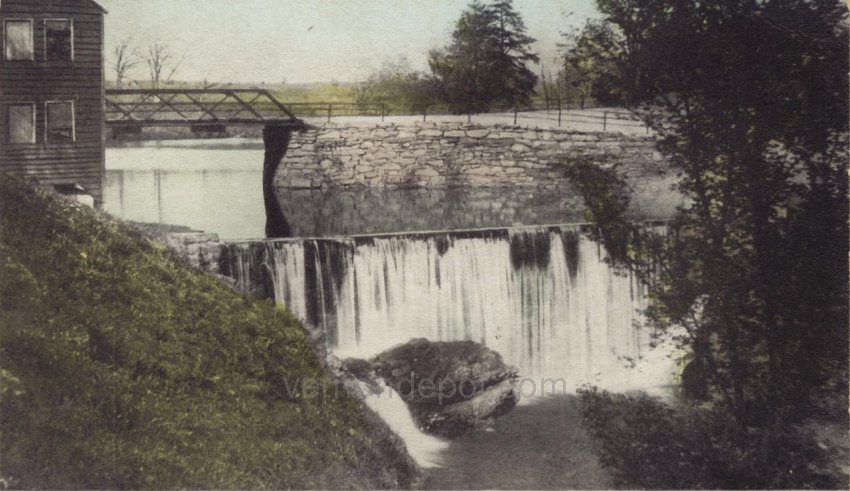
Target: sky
300, 41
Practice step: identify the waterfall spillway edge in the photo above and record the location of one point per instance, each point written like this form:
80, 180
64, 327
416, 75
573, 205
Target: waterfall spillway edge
543, 297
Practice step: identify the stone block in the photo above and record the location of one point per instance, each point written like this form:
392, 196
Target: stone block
455, 133
430, 133
519, 148
300, 182
330, 135
477, 133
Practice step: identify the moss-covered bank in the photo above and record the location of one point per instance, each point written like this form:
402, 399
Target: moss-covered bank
121, 368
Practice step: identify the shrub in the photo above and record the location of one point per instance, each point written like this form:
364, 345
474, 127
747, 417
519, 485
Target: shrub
650, 444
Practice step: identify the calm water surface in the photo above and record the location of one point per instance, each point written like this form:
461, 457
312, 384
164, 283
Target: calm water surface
216, 186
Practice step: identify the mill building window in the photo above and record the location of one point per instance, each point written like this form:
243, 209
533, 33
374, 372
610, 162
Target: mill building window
60, 122
58, 40
21, 123
19, 39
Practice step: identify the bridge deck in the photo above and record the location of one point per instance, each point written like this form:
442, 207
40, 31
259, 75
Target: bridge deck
196, 107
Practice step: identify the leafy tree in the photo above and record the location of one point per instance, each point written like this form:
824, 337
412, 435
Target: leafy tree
590, 59
486, 63
750, 102
398, 87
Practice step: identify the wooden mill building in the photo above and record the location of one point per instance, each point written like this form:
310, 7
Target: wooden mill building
52, 93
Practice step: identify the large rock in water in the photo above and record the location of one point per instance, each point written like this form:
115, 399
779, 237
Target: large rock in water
450, 387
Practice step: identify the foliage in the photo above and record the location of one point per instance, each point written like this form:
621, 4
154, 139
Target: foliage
756, 273
397, 87
607, 201
651, 445
590, 62
749, 100
486, 63
121, 368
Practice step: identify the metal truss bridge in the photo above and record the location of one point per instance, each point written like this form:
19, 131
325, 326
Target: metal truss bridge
198, 108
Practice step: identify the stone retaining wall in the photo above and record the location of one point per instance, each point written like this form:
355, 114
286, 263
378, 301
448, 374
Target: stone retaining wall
454, 154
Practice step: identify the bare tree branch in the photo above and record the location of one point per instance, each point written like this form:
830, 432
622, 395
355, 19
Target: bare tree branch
125, 57
161, 65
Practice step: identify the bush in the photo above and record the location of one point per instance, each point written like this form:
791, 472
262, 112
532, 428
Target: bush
650, 444
120, 368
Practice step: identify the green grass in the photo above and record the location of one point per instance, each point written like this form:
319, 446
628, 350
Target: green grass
121, 368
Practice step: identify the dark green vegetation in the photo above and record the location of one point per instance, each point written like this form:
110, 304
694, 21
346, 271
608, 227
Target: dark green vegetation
486, 62
398, 88
749, 100
649, 444
122, 368
484, 67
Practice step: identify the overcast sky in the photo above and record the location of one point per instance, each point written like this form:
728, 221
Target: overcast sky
308, 41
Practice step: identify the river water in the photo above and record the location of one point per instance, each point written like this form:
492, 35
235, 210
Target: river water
377, 268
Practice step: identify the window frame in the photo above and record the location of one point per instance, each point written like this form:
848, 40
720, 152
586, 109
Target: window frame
31, 22
7, 136
47, 121
54, 19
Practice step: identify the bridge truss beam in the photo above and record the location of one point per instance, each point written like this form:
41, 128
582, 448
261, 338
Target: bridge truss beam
196, 107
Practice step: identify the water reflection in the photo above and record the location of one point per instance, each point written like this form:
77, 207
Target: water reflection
315, 213
219, 190
229, 203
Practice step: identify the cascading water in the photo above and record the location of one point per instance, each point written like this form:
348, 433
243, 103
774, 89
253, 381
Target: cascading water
543, 297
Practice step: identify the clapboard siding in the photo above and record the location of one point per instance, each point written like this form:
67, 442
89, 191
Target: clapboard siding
39, 81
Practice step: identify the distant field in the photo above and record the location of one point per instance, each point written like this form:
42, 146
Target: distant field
329, 92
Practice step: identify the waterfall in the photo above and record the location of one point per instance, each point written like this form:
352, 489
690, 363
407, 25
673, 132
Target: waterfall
389, 406
543, 297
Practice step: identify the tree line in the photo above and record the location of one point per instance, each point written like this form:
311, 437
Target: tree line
486, 65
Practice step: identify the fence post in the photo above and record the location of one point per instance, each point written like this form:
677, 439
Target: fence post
468, 118
559, 114
515, 110
604, 121
329, 113
424, 113
383, 110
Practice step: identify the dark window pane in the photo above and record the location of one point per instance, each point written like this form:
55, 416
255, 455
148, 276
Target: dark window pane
60, 122
19, 40
58, 34
21, 124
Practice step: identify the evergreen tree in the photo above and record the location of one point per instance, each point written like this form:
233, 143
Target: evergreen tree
486, 63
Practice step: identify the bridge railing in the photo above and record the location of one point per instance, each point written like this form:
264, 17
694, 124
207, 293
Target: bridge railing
165, 107
602, 119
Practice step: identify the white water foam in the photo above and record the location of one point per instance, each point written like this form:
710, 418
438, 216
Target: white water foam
544, 298
388, 404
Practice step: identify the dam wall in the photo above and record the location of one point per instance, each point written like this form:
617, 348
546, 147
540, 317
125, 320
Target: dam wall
442, 155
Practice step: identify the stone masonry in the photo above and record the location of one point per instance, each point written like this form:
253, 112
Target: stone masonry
438, 155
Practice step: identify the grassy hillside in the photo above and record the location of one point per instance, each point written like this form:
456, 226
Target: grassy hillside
121, 368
